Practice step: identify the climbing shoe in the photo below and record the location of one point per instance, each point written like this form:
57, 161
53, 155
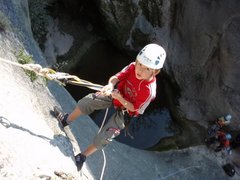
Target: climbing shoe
229, 169
80, 159
61, 117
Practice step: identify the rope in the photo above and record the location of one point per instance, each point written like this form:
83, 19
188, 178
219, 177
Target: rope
184, 169
30, 67
104, 157
52, 75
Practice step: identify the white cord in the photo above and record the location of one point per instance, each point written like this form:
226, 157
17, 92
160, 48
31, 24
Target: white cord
104, 157
104, 164
184, 169
104, 119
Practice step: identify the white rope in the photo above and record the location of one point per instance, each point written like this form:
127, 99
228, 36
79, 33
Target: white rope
184, 169
104, 119
56, 76
104, 165
31, 67
104, 157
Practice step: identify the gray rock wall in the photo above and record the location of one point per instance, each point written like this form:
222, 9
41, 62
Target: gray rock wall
16, 19
33, 146
206, 72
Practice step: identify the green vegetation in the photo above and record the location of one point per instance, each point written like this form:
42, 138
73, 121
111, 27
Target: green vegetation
24, 58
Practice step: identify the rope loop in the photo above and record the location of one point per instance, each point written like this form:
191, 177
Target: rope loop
60, 77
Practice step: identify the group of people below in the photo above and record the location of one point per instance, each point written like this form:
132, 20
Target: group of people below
218, 136
223, 140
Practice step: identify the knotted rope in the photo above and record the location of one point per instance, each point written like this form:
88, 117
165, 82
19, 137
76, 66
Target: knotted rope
52, 75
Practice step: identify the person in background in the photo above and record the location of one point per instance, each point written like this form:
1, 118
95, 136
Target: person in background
219, 124
224, 120
224, 140
135, 89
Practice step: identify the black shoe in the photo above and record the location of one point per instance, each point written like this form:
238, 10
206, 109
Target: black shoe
80, 159
61, 117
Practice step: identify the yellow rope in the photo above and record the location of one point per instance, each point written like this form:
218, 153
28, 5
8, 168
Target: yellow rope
52, 75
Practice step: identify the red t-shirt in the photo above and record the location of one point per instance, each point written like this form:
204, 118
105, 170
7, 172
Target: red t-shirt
139, 92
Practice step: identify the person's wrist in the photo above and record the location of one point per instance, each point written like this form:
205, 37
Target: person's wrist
124, 102
111, 84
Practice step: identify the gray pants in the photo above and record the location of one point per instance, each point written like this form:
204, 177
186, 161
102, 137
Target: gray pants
112, 128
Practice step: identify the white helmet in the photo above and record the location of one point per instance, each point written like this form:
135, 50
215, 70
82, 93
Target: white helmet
228, 136
152, 56
228, 117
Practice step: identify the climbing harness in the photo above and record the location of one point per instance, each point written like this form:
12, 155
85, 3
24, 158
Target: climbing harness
60, 77
127, 121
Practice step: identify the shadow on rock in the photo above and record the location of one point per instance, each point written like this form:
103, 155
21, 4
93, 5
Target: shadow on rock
60, 141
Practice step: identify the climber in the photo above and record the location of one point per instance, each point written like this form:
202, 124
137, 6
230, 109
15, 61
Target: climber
219, 124
224, 120
223, 139
136, 88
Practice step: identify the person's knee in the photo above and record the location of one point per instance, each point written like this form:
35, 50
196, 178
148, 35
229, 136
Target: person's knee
105, 137
100, 143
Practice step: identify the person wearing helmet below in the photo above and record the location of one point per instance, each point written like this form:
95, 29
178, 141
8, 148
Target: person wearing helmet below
224, 141
219, 123
135, 89
225, 120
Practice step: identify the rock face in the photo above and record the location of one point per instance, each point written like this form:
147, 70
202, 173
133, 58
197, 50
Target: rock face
34, 147
132, 24
205, 59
